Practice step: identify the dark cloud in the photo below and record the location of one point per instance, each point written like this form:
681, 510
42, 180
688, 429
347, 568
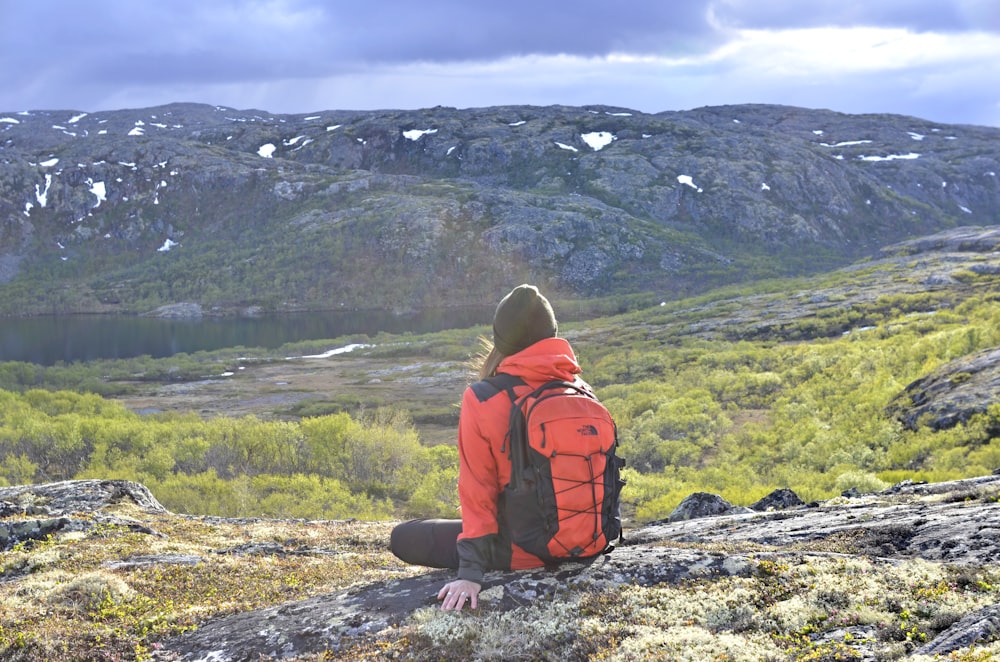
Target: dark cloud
463, 30
315, 31
119, 42
308, 55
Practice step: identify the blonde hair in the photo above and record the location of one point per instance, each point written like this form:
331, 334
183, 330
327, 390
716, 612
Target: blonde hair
488, 359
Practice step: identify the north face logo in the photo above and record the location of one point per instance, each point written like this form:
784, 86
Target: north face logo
587, 431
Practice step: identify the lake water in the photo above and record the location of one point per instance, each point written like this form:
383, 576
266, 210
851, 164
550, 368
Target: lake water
70, 338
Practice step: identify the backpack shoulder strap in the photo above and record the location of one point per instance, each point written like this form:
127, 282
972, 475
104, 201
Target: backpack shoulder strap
487, 388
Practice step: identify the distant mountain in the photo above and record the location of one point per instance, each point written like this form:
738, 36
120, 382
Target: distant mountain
127, 210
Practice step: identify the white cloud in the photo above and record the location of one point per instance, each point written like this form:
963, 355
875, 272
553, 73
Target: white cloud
837, 51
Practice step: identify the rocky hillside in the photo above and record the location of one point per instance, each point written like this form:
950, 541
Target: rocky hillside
128, 210
96, 570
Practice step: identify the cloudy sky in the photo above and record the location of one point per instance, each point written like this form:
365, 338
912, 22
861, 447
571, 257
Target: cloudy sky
934, 59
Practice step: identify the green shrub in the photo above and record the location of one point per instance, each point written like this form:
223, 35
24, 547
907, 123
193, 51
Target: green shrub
862, 482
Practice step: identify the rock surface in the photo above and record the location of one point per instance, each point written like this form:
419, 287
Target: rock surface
955, 523
80, 496
703, 504
952, 394
778, 500
981, 626
959, 240
952, 523
57, 503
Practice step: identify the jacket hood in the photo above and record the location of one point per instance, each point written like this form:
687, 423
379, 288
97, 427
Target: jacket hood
545, 360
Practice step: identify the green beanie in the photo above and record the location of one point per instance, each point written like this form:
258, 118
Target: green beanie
523, 318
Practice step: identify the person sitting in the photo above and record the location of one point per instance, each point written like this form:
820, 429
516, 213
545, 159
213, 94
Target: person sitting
525, 344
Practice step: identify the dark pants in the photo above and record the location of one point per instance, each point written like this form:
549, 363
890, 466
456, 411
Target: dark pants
427, 542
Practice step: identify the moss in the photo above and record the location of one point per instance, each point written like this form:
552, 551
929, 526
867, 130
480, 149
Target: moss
63, 603
795, 606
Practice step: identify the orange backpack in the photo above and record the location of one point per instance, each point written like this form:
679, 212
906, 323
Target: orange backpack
564, 494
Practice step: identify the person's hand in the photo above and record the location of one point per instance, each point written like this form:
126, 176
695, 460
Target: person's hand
456, 593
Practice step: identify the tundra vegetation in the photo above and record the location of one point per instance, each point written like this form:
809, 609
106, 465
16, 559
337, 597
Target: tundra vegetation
705, 397
737, 392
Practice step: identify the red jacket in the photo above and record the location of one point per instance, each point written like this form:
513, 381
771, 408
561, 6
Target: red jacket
484, 469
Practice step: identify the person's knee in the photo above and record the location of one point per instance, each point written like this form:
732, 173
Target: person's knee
427, 542
403, 539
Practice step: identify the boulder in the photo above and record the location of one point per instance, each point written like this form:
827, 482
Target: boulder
952, 394
60, 501
703, 504
778, 500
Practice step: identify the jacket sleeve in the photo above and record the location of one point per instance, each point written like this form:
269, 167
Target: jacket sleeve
478, 490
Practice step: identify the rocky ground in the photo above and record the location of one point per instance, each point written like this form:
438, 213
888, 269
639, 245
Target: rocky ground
908, 573
124, 211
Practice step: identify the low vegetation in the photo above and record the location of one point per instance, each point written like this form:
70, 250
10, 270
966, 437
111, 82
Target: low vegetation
69, 604
726, 394
736, 393
709, 394
773, 615
740, 418
116, 592
326, 467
